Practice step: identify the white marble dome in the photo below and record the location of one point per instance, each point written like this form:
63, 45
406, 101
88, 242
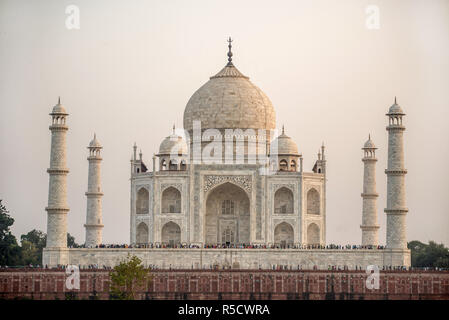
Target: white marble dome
369, 144
173, 144
395, 108
94, 143
59, 109
229, 100
285, 145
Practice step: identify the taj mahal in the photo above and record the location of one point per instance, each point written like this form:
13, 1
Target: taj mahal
228, 190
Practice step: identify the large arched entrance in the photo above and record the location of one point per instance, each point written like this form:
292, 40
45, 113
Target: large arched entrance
227, 215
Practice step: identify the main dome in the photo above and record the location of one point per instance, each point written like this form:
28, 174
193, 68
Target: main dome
230, 101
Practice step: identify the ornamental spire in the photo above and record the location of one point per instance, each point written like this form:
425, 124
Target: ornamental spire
230, 52
229, 71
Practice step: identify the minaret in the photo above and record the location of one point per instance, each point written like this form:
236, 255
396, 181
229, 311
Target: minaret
57, 191
134, 160
154, 163
320, 164
94, 226
369, 214
396, 209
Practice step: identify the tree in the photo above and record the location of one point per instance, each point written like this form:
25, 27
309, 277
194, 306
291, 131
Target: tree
71, 241
9, 249
127, 277
429, 255
37, 237
32, 245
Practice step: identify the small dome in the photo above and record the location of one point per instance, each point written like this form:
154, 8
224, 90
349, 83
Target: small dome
285, 145
59, 109
173, 144
369, 144
395, 108
94, 143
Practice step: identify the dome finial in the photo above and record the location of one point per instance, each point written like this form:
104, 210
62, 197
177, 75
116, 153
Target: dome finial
174, 128
283, 129
59, 100
230, 52
395, 100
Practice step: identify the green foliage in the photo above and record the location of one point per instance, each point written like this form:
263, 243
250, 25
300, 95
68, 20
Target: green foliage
9, 249
429, 255
32, 243
30, 254
71, 241
127, 277
36, 237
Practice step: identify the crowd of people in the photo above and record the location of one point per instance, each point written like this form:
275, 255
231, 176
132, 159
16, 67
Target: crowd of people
223, 267
241, 246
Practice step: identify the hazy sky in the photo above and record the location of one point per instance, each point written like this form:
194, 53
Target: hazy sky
130, 69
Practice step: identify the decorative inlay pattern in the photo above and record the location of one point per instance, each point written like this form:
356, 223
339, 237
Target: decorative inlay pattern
243, 181
168, 185
290, 186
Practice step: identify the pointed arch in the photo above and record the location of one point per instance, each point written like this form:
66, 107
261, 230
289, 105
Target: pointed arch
171, 200
313, 202
183, 165
227, 215
163, 165
283, 234
283, 165
142, 201
173, 164
142, 233
293, 165
283, 201
171, 234
313, 234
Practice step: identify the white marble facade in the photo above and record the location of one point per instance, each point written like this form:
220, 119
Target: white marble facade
293, 202
215, 192
204, 190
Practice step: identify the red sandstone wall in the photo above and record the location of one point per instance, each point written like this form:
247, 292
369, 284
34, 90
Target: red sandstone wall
232, 284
